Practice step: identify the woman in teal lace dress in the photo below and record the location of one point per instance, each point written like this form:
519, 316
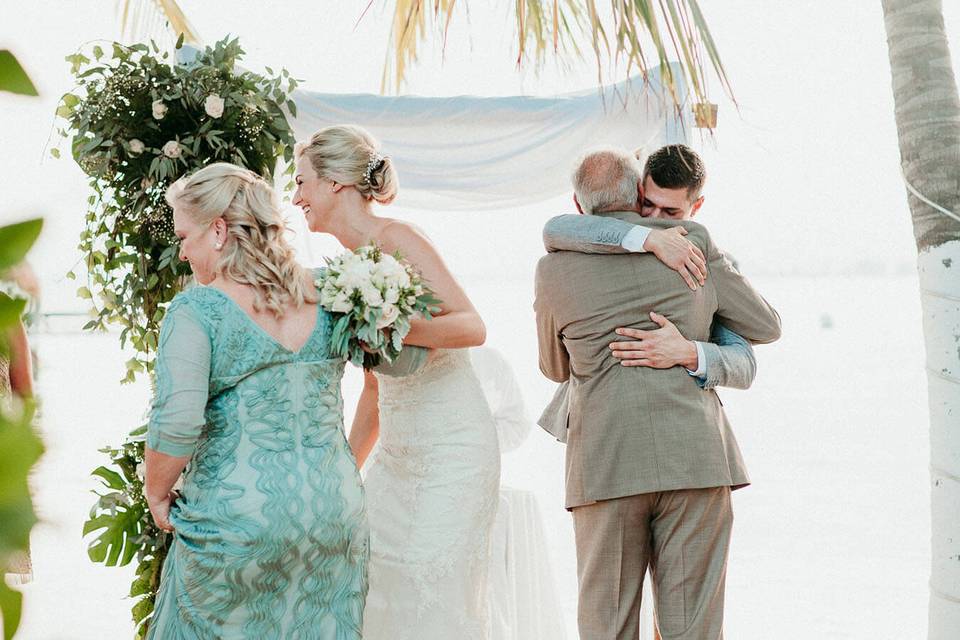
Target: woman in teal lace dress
270, 532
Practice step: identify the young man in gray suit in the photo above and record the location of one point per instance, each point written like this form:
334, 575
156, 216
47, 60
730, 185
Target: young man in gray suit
651, 459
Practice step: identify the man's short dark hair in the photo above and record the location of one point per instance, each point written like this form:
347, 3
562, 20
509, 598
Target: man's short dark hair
676, 166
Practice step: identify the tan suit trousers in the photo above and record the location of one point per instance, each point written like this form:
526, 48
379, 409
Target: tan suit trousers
682, 536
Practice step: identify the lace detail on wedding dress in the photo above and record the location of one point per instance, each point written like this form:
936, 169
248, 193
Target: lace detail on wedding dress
432, 490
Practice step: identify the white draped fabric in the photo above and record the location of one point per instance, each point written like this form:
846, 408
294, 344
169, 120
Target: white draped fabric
522, 591
467, 153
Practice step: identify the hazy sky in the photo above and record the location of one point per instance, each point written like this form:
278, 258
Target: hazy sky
804, 179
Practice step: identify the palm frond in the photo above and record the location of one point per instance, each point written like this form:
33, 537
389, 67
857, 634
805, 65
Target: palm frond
408, 31
140, 19
636, 32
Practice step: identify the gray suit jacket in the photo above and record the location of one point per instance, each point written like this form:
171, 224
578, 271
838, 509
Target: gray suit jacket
633, 429
728, 358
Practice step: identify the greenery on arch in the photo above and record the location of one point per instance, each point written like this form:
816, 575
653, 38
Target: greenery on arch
136, 123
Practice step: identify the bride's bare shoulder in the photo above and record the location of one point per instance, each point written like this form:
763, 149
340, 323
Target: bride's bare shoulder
400, 233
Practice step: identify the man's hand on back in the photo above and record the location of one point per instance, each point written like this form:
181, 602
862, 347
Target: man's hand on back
660, 349
678, 253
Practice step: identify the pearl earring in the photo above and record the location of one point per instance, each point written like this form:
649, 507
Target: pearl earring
218, 246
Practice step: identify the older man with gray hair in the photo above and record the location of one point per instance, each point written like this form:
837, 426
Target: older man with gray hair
651, 458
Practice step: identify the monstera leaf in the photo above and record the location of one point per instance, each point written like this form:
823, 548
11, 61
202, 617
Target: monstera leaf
118, 520
115, 545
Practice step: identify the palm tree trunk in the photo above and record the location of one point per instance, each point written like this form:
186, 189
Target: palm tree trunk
927, 110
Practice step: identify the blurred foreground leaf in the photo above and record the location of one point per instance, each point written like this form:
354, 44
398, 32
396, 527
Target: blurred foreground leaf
12, 76
21, 448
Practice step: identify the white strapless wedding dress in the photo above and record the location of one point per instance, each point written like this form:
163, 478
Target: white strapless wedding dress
432, 487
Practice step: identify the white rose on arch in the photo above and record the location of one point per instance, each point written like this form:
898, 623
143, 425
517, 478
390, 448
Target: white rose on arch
136, 146
213, 105
159, 109
172, 149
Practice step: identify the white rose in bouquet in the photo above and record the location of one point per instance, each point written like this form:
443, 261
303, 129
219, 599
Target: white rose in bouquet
355, 274
341, 303
213, 105
392, 273
159, 109
390, 314
172, 149
328, 294
373, 297
136, 146
392, 295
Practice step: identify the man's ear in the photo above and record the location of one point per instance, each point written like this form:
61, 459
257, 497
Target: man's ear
640, 196
696, 206
577, 202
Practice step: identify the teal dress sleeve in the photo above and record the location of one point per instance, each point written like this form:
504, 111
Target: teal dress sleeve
182, 378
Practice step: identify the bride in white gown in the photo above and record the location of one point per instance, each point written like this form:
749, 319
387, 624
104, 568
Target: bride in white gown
432, 482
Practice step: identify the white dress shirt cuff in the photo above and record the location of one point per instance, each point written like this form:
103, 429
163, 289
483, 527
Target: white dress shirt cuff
633, 241
701, 371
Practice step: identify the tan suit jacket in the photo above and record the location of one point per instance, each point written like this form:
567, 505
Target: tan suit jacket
636, 430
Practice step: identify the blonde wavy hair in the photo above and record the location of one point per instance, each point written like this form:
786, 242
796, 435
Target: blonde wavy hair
255, 253
343, 152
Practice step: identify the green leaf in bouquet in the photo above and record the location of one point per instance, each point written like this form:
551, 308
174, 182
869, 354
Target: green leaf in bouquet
339, 334
368, 333
372, 315
396, 339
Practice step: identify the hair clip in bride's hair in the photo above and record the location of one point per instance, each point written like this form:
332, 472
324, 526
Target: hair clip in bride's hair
376, 161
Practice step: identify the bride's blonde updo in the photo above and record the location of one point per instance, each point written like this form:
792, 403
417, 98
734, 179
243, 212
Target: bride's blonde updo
348, 154
256, 252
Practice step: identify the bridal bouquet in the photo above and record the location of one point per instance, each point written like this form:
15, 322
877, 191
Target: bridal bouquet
372, 296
